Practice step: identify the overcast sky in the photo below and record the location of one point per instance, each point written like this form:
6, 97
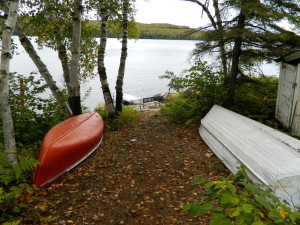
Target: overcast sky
176, 12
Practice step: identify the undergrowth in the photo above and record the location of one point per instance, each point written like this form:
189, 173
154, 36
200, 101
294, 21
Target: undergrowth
236, 200
200, 87
14, 190
127, 117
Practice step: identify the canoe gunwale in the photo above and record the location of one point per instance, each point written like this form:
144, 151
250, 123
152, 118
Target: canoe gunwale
72, 166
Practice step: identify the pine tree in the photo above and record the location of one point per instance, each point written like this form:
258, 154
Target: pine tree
248, 31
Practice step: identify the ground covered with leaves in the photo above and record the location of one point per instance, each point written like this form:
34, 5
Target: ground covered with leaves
139, 175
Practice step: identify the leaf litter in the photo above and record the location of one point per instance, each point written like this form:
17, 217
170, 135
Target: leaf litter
139, 175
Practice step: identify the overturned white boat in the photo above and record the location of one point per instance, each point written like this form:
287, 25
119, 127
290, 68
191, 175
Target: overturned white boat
271, 157
131, 99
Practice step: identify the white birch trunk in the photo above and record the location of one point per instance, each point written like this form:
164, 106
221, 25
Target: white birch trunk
8, 128
121, 72
74, 97
63, 56
101, 67
26, 43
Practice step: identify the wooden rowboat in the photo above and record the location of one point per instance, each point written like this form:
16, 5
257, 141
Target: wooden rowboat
66, 145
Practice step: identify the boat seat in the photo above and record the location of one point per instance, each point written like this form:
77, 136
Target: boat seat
271, 157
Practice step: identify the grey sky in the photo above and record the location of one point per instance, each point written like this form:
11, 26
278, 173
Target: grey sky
176, 12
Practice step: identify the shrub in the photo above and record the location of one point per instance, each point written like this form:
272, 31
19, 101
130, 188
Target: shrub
199, 87
237, 200
14, 191
127, 117
33, 115
182, 110
260, 95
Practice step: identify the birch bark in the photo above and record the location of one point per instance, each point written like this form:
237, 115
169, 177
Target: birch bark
26, 43
63, 57
101, 55
8, 128
74, 96
121, 72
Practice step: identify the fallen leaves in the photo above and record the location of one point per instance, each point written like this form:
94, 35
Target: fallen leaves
140, 176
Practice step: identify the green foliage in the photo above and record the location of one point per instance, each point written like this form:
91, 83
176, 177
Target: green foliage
199, 87
168, 31
115, 29
14, 191
33, 115
51, 23
182, 109
127, 117
261, 94
264, 36
237, 200
149, 31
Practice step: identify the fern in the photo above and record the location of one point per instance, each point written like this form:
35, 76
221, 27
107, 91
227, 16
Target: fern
13, 186
1, 195
27, 163
9, 174
4, 159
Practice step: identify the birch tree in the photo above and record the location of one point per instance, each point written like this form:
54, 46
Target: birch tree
56, 92
109, 8
121, 72
101, 55
74, 95
8, 128
58, 25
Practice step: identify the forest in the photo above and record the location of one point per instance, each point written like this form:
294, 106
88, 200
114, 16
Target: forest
131, 178
151, 31
167, 31
136, 30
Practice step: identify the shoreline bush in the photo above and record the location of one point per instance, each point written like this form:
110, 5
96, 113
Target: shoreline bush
200, 87
237, 200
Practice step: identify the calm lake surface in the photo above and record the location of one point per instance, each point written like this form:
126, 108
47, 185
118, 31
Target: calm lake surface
146, 61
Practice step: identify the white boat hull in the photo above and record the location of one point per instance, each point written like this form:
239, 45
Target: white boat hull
271, 157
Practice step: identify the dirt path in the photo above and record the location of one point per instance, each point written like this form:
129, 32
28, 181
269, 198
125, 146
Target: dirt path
142, 175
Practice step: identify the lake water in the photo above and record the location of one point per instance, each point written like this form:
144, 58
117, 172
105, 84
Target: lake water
146, 61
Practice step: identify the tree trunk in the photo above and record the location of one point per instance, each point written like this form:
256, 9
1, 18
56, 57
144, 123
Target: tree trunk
220, 27
121, 72
74, 96
236, 53
43, 71
8, 128
63, 56
101, 67
216, 22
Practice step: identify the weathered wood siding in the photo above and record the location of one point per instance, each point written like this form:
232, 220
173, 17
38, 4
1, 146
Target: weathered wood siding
285, 107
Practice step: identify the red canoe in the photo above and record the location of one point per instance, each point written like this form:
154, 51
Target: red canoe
66, 145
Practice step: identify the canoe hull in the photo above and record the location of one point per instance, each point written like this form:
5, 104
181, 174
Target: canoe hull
66, 145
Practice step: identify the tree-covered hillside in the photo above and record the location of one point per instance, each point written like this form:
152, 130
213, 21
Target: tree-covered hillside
150, 31
167, 31
136, 30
